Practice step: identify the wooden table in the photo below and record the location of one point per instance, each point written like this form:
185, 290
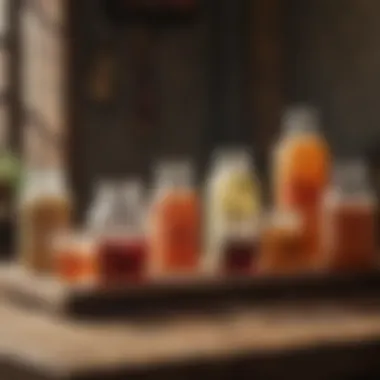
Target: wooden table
317, 341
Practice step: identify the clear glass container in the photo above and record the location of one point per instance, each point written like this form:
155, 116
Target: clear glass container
117, 219
282, 244
233, 204
175, 220
349, 219
45, 206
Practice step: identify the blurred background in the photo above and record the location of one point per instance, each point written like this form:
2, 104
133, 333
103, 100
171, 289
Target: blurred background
108, 93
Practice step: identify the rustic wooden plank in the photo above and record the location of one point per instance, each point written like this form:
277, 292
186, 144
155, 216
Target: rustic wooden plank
63, 347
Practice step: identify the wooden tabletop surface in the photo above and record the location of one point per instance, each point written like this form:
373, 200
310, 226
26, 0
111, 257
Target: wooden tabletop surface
62, 346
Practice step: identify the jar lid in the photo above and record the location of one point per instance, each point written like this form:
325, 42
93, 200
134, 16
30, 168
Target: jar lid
301, 118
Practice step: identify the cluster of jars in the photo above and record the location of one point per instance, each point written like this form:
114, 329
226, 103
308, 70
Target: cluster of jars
317, 221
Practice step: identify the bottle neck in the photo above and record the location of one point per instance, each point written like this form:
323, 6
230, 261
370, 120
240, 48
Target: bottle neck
300, 121
174, 176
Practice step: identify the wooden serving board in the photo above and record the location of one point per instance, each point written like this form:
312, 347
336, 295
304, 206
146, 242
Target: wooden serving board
173, 295
314, 342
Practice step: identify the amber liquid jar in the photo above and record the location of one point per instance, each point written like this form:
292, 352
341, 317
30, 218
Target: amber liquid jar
44, 212
282, 248
349, 221
75, 259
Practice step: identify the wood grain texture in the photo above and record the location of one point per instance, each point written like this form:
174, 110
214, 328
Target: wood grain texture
61, 347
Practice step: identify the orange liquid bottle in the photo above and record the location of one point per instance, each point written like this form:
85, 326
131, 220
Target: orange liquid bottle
175, 221
301, 172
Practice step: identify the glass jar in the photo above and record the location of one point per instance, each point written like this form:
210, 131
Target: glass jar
45, 211
301, 170
175, 220
233, 205
75, 260
282, 244
117, 219
349, 220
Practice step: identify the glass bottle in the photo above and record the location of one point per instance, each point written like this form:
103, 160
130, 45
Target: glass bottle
232, 211
301, 170
45, 211
282, 244
175, 220
117, 219
349, 220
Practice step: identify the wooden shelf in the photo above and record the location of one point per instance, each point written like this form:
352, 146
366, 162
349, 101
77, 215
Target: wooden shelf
306, 342
192, 294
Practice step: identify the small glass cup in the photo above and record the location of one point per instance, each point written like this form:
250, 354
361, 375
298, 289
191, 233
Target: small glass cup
75, 259
282, 245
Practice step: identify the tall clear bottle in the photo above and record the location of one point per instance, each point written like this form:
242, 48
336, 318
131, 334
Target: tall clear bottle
175, 220
233, 208
301, 170
349, 219
45, 207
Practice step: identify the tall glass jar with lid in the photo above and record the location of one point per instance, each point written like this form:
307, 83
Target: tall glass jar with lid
45, 206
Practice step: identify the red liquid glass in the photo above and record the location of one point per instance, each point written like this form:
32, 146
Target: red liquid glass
239, 257
122, 261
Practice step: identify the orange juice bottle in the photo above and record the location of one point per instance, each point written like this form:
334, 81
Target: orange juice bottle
301, 171
175, 217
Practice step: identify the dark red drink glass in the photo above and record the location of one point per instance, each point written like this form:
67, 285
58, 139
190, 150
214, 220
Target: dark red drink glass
122, 260
239, 257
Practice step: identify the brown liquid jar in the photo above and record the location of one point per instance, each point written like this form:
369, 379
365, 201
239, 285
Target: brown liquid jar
349, 221
282, 248
44, 212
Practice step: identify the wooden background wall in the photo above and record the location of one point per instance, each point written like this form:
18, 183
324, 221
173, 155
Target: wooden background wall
334, 62
42, 72
226, 77
141, 93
